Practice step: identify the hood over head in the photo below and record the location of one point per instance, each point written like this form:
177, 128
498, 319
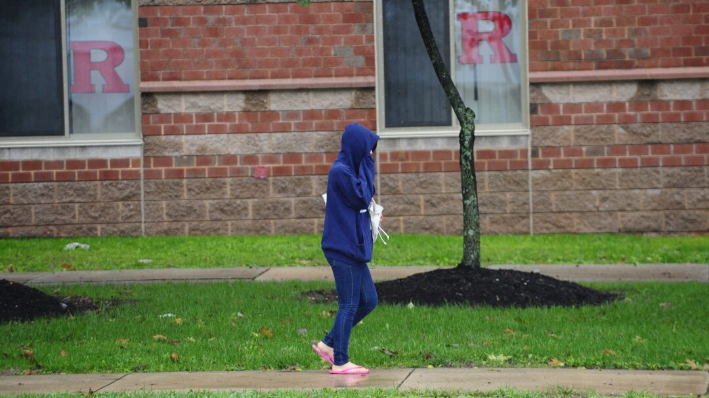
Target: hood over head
357, 142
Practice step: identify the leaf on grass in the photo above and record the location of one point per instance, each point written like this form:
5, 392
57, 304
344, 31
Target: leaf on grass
639, 339
292, 368
67, 266
159, 337
555, 363
510, 331
328, 314
410, 305
665, 305
387, 352
302, 331
486, 342
175, 342
27, 354
286, 321
174, 357
608, 352
498, 358
122, 341
62, 353
266, 332
706, 365
691, 364
427, 356
178, 321
10, 268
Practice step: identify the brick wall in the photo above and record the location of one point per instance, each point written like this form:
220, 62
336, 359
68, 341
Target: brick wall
256, 41
611, 34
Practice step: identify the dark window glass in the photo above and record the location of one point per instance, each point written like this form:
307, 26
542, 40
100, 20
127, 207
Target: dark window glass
30, 68
413, 95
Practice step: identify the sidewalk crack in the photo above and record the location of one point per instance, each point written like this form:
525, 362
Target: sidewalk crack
398, 387
113, 382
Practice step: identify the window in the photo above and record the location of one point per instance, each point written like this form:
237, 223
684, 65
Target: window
68, 70
488, 57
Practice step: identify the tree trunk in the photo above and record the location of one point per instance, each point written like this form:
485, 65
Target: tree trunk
466, 118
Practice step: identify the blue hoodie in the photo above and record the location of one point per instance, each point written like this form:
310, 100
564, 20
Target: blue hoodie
347, 235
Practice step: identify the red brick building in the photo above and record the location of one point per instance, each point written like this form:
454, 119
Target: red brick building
177, 117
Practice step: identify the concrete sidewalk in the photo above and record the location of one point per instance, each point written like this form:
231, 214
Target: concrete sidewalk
609, 382
578, 273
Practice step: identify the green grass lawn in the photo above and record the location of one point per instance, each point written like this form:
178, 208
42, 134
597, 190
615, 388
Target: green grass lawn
107, 253
267, 325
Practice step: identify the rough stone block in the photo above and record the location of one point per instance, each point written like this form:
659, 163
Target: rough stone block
401, 205
595, 179
39, 231
689, 89
290, 100
39, 192
425, 183
443, 204
553, 223
228, 209
11, 216
123, 229
99, 212
646, 91
271, 209
552, 180
454, 224
207, 188
507, 181
297, 186
365, 98
491, 203
210, 144
389, 184
326, 141
208, 228
627, 200
451, 182
312, 207
246, 227
698, 198
300, 226
638, 134
254, 101
332, 99
154, 211
665, 199
601, 134
684, 177
552, 136
166, 228
684, 132
249, 187
542, 203
639, 178
572, 201
75, 230
687, 221
595, 222
149, 103
163, 145
320, 185
204, 102
536, 94
130, 212
423, 225
185, 210
592, 92
508, 223
110, 191
244, 144
236, 102
557, 93
5, 194
641, 221
55, 214
169, 103
293, 142
164, 189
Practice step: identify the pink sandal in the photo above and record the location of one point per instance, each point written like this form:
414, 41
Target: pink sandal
324, 355
355, 370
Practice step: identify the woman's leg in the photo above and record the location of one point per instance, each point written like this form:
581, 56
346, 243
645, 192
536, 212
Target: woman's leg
368, 298
348, 281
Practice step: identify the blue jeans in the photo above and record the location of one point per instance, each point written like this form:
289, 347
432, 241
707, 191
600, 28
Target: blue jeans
356, 297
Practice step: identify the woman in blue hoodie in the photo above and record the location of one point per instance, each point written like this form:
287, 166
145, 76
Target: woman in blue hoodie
347, 242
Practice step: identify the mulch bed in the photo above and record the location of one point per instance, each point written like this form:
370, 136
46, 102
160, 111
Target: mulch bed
23, 303
473, 287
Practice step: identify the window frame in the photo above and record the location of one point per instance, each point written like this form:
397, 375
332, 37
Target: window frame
507, 129
96, 139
